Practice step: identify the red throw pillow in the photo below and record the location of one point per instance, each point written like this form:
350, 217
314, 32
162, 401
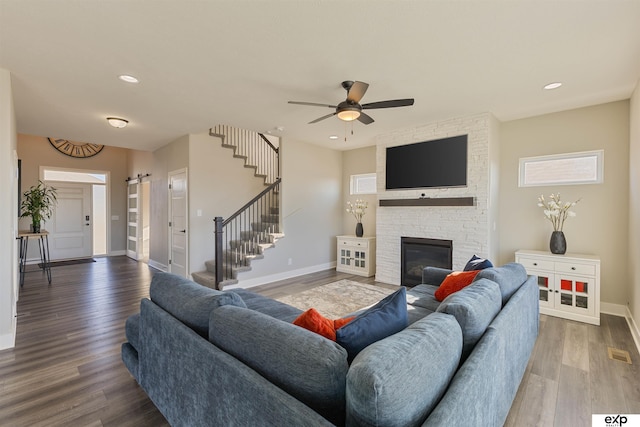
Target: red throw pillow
313, 321
454, 282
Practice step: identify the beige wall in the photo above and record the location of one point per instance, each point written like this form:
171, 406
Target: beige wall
139, 163
8, 211
219, 185
601, 225
311, 213
35, 151
171, 157
358, 161
634, 206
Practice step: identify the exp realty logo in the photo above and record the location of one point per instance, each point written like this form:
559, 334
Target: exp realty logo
618, 420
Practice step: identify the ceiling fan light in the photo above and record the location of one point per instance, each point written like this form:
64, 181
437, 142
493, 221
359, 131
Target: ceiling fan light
348, 115
117, 122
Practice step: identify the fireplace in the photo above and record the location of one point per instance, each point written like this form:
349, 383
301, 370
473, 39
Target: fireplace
417, 253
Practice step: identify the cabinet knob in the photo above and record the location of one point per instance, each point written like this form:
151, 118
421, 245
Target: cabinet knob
535, 263
573, 268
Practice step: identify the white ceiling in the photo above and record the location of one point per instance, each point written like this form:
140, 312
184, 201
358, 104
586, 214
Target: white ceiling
203, 63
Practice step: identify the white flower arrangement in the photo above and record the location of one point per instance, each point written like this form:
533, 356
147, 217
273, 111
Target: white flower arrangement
357, 209
556, 211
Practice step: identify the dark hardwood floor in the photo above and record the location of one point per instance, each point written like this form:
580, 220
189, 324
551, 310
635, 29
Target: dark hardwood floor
66, 370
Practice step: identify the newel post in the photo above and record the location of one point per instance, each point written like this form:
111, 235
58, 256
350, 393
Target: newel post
218, 232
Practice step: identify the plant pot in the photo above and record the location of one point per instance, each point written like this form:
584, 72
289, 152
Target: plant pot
558, 244
35, 227
359, 230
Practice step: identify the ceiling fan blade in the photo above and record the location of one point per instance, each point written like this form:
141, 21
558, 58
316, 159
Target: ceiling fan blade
322, 118
313, 104
365, 118
388, 104
357, 91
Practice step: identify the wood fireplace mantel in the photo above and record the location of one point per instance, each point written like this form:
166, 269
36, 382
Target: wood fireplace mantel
430, 201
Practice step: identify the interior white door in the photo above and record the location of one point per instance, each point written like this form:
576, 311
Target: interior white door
70, 229
133, 219
178, 234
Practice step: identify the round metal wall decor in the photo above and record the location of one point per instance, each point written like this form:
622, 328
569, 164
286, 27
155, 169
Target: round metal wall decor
79, 150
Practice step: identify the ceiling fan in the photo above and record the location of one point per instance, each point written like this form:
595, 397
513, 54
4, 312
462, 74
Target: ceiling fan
350, 109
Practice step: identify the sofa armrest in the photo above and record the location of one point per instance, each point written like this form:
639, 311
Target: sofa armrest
434, 275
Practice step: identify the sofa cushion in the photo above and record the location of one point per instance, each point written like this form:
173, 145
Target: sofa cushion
474, 307
306, 365
454, 282
477, 263
398, 381
383, 319
268, 306
188, 301
132, 330
509, 277
421, 302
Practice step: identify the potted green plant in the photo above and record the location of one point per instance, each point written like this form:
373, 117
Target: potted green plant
38, 203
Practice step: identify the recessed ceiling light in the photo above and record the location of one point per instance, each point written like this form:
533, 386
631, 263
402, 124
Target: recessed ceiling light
117, 122
333, 137
554, 85
127, 78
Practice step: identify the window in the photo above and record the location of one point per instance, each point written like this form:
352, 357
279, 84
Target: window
364, 184
585, 167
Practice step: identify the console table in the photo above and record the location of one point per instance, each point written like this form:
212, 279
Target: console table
43, 245
357, 255
569, 284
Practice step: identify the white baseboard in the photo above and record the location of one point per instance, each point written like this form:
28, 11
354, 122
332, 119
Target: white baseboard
118, 253
633, 326
158, 265
282, 276
615, 309
623, 311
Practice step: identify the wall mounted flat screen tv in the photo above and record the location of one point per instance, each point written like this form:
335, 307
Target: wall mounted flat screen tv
436, 163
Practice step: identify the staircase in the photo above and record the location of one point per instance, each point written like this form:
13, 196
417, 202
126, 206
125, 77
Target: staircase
245, 235
256, 150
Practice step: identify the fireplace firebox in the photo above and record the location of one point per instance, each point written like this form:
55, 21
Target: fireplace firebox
417, 253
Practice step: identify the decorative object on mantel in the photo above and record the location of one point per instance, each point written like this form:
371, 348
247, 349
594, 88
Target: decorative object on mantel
358, 210
38, 203
557, 212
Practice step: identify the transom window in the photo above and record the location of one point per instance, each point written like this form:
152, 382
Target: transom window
586, 167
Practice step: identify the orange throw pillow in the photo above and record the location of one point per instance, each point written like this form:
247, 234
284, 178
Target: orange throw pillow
316, 322
454, 282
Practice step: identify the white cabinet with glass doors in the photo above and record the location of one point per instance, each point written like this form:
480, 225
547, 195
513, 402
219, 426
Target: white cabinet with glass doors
569, 285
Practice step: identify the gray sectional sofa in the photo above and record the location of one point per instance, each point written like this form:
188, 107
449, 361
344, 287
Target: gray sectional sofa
209, 358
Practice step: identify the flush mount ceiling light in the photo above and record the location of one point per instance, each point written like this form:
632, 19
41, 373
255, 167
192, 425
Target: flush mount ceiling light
554, 85
128, 78
117, 122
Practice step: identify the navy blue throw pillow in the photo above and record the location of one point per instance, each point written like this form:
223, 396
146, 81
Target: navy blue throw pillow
386, 318
477, 263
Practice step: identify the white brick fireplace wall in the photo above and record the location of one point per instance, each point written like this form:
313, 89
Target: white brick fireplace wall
469, 227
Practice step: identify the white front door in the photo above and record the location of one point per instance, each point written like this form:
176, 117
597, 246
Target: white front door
70, 229
178, 241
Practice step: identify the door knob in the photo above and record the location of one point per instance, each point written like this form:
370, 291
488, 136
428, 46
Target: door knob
183, 231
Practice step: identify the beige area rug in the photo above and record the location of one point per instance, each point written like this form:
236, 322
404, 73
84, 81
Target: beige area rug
337, 299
